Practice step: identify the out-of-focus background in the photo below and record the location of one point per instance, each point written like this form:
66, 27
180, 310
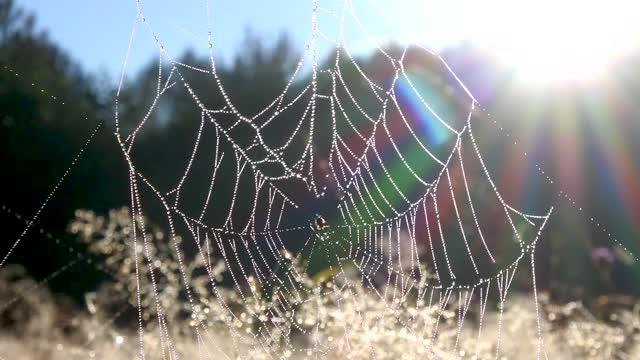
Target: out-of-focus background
561, 78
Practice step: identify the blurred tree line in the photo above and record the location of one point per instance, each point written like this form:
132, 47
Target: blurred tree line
40, 137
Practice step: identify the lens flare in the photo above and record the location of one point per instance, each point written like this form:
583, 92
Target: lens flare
558, 41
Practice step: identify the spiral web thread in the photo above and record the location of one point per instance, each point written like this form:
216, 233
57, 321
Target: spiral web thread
370, 229
371, 235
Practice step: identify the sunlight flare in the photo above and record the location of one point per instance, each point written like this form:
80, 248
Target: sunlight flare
558, 41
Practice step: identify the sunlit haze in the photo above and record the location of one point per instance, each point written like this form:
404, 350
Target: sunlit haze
543, 41
558, 41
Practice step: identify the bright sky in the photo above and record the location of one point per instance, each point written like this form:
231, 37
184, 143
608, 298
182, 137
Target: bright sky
545, 40
97, 32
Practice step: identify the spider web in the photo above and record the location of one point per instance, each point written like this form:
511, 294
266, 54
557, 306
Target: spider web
371, 186
353, 186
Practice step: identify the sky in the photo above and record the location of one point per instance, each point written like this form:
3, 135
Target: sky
97, 32
530, 36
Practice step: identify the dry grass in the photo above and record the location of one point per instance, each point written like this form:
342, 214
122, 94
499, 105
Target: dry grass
334, 320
